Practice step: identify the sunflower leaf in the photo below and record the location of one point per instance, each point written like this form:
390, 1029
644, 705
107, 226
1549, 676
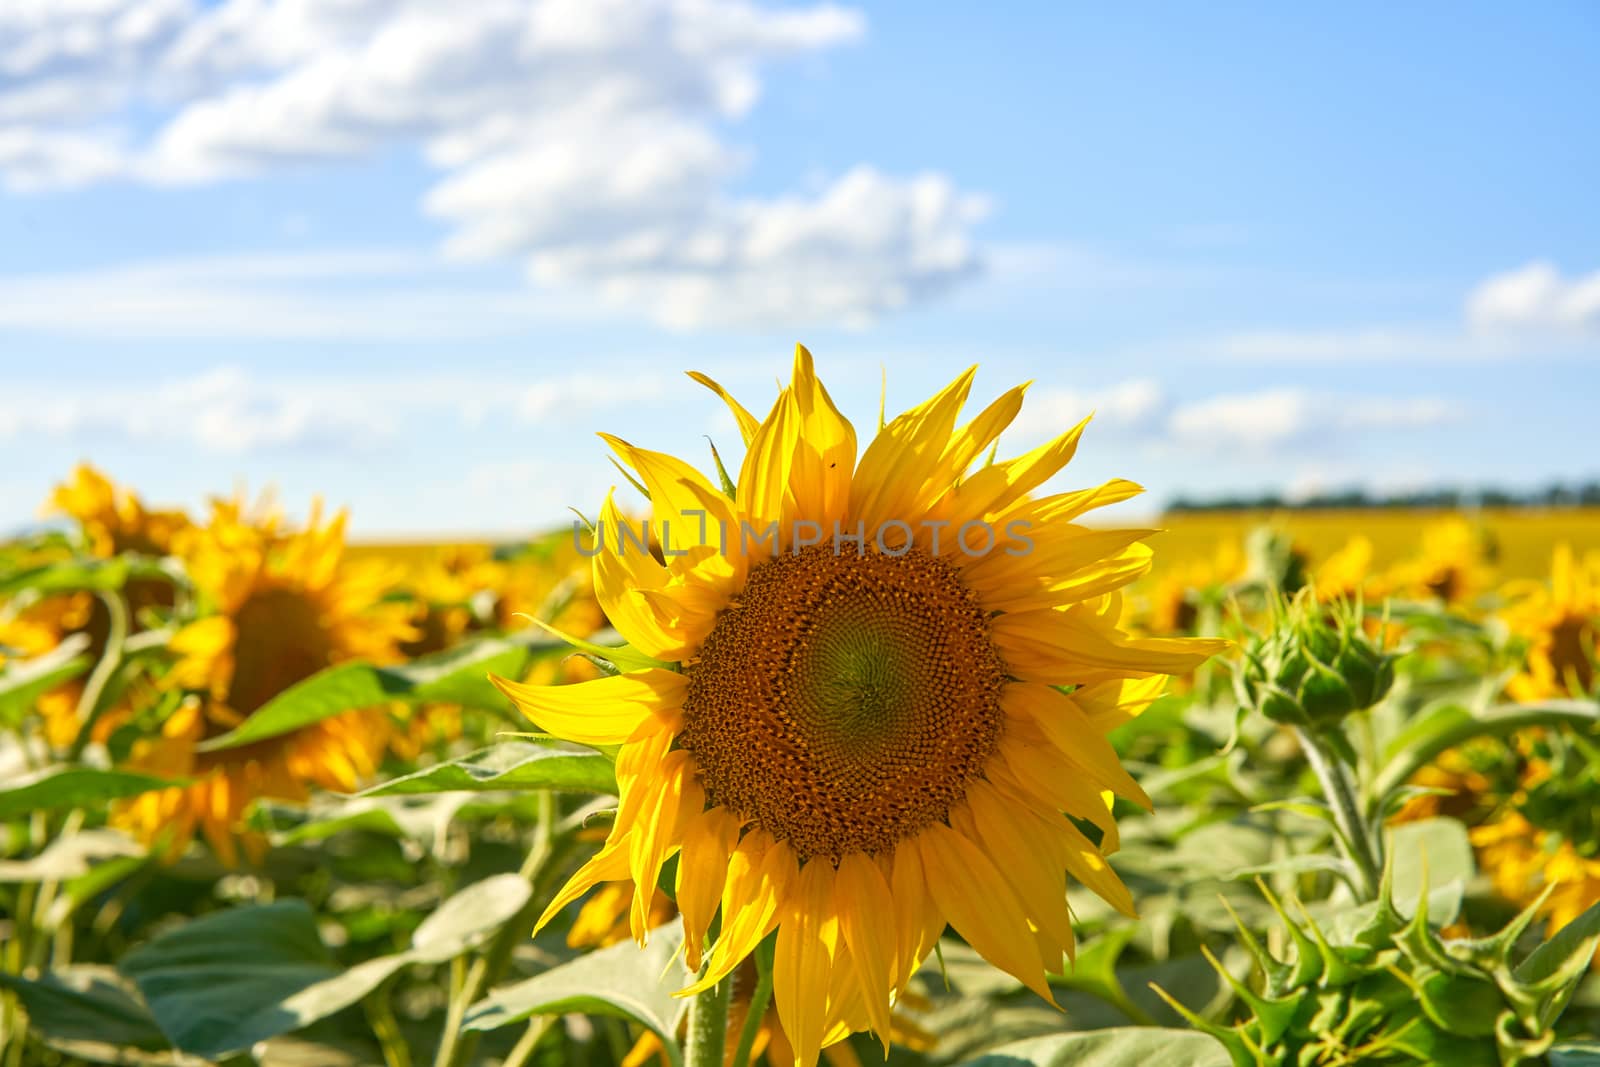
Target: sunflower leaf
1134, 1046
511, 765
24, 681
620, 980
75, 787
86, 1003
459, 676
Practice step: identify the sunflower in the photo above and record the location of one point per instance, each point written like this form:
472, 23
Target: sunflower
1344, 573
113, 522
1560, 621
844, 708
1522, 859
1173, 606
1451, 566
284, 606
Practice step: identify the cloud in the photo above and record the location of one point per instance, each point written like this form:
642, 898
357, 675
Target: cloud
230, 411
343, 294
586, 137
1053, 409
1537, 297
1276, 417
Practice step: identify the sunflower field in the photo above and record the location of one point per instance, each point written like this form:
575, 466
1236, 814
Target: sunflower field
841, 745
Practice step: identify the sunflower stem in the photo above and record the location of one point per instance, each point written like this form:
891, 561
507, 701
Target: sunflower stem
1354, 837
708, 1026
92, 703
756, 1010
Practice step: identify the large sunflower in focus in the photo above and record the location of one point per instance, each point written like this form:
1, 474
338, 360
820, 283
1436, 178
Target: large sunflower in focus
854, 742
1560, 621
284, 605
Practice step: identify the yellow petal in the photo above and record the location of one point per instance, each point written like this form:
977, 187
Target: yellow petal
679, 496
995, 487
621, 570
761, 873
863, 903
702, 868
1097, 579
973, 896
610, 864
891, 481
802, 967
1034, 864
747, 422
1063, 724
605, 711
826, 452
673, 795
1110, 704
764, 477
1057, 646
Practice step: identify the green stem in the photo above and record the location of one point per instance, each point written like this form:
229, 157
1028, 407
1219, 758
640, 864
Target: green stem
708, 1026
380, 1014
90, 704
456, 1046
1496, 721
537, 1027
759, 997
1359, 846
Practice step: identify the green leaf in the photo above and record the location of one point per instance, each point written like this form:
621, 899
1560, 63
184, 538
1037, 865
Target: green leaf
74, 575
75, 787
621, 980
468, 918
222, 982
511, 765
70, 857
459, 676
1450, 725
86, 1003
1570, 950
23, 682
1576, 1054
1133, 1046
1437, 850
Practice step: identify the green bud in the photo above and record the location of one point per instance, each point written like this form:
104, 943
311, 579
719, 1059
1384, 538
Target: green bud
1315, 665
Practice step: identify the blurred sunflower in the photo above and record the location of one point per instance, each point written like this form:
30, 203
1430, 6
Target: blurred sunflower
282, 607
1451, 566
1522, 859
1560, 621
855, 742
113, 521
1173, 605
1344, 573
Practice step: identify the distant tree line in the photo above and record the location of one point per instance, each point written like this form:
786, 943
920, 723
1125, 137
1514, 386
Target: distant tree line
1558, 495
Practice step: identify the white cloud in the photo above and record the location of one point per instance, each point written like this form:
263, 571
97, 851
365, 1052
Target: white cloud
343, 294
1053, 409
227, 410
1537, 297
1275, 417
583, 136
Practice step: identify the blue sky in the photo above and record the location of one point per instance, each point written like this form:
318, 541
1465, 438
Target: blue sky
410, 262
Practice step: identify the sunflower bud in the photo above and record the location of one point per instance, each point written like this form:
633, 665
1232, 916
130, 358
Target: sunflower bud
1315, 666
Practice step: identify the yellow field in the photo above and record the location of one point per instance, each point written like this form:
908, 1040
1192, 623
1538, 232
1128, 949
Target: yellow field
1518, 541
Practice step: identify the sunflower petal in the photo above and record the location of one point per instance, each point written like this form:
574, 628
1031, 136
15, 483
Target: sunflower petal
862, 901
605, 711
891, 481
825, 455
802, 967
761, 873
748, 425
708, 841
973, 895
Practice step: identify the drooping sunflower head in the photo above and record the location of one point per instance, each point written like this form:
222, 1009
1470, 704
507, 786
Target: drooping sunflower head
1559, 623
867, 697
281, 606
